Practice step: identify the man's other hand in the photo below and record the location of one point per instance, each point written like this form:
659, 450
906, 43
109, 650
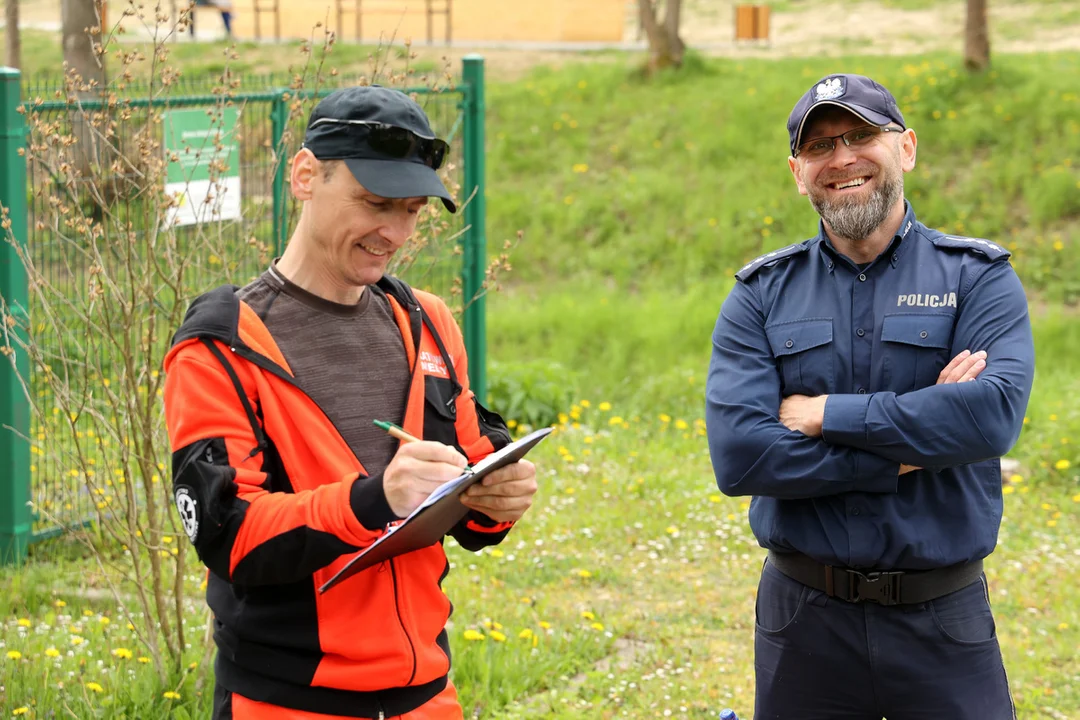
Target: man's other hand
505, 494
965, 366
417, 469
803, 414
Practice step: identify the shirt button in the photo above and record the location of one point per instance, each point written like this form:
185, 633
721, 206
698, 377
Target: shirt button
789, 343
862, 391
860, 332
855, 511
862, 277
923, 334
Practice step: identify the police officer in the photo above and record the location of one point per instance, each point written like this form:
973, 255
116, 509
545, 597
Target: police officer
863, 385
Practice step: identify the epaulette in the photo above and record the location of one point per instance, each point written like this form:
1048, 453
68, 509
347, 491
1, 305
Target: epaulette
978, 246
769, 258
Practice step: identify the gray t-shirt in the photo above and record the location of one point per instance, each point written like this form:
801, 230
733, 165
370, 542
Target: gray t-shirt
350, 359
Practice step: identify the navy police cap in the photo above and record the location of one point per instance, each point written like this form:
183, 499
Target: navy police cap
857, 94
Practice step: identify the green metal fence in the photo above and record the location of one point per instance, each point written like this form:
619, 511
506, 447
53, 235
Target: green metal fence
27, 480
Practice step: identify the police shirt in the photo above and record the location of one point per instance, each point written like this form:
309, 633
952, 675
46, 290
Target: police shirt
805, 320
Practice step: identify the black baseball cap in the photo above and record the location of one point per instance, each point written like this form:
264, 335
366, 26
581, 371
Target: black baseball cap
857, 94
384, 138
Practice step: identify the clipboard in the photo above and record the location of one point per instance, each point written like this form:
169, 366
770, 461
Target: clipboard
437, 514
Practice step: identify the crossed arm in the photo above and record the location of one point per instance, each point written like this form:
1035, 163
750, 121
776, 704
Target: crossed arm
864, 442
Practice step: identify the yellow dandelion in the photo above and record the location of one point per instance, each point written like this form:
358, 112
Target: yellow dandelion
496, 552
615, 420
192, 666
77, 639
584, 403
1008, 490
665, 418
170, 695
14, 655
497, 636
24, 622
20, 710
52, 652
604, 406
588, 439
544, 625
712, 222
681, 425
581, 168
88, 613
1053, 417
143, 659
104, 620
1058, 245
584, 574
587, 615
525, 634
473, 635
1063, 626
1076, 498
122, 653
1051, 523
1014, 478
597, 626
511, 424
569, 490
1062, 464
527, 600
94, 687
671, 530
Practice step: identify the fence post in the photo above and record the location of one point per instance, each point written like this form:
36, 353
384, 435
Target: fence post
475, 241
279, 118
15, 522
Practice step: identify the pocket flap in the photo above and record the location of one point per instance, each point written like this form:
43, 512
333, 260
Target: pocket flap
795, 337
440, 396
932, 331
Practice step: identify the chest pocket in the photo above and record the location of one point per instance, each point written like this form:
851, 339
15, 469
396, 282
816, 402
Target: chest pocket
440, 409
804, 352
916, 349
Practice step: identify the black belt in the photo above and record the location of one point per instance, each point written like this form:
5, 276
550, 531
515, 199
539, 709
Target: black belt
885, 588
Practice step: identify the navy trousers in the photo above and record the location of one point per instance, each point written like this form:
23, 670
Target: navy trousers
820, 658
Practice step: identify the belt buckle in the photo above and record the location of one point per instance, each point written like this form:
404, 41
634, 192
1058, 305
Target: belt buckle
882, 588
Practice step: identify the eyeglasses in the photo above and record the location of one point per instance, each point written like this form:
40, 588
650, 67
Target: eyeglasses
857, 137
396, 142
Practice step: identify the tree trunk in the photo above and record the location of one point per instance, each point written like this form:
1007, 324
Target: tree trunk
78, 19
976, 36
14, 47
666, 48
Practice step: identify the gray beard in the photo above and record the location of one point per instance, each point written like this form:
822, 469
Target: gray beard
854, 220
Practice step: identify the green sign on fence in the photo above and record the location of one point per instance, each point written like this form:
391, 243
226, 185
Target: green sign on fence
204, 174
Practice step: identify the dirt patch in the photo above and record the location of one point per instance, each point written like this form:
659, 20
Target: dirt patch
824, 28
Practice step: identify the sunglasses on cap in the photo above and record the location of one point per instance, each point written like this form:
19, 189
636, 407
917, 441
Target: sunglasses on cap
392, 141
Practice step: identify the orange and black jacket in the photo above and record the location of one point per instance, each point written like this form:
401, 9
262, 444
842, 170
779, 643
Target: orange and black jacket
276, 503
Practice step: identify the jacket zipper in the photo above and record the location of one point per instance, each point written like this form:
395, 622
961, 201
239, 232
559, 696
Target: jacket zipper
397, 609
273, 367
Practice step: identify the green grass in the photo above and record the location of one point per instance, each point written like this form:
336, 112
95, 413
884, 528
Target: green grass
679, 182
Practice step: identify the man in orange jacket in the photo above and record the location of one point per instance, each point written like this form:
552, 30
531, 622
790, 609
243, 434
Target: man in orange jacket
279, 474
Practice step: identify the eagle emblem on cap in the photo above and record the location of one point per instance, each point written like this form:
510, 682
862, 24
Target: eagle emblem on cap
829, 89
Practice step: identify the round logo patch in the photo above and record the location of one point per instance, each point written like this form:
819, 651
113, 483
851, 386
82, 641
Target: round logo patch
189, 511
